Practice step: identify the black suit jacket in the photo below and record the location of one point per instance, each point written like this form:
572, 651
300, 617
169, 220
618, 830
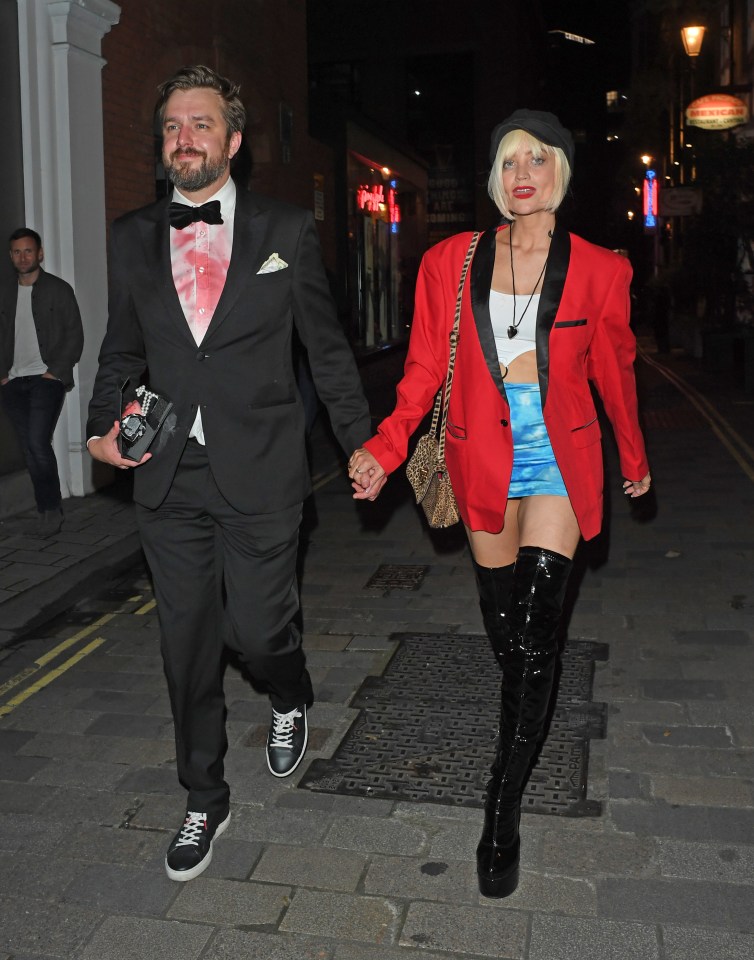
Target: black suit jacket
242, 374
57, 322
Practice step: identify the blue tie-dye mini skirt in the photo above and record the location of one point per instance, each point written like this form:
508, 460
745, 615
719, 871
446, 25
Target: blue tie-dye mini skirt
534, 468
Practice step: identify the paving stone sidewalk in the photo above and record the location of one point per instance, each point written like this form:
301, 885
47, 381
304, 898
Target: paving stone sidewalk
42, 576
87, 770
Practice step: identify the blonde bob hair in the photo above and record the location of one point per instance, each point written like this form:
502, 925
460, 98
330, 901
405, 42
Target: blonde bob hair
511, 143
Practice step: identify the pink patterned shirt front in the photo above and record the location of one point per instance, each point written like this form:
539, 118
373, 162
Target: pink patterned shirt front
200, 257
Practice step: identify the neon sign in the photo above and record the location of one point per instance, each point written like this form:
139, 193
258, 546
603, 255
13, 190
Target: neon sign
651, 193
372, 199
393, 209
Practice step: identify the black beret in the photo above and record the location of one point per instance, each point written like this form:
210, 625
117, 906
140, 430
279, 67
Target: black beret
544, 126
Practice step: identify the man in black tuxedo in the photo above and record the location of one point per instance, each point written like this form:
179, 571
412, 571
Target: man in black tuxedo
205, 292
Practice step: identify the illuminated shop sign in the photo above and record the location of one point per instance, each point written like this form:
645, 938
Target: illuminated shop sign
651, 191
372, 199
717, 111
369, 198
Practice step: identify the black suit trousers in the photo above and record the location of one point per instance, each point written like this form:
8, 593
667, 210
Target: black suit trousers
196, 544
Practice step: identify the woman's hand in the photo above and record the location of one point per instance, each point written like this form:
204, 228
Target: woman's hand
367, 475
636, 488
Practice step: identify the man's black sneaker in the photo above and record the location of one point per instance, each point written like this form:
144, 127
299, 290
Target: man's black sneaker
286, 741
190, 850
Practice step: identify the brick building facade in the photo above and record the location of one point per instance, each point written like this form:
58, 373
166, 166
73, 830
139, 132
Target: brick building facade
260, 45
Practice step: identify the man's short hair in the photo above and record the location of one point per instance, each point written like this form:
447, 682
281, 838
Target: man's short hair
25, 232
190, 78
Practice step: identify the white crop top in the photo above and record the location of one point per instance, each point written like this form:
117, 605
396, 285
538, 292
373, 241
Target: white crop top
501, 313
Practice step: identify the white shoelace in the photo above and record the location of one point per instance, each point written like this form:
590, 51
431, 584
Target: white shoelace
192, 829
283, 725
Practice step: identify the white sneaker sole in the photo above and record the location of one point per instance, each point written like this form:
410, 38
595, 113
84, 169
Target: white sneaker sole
183, 875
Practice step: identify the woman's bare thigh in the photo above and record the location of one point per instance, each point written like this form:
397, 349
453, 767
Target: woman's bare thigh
497, 549
542, 521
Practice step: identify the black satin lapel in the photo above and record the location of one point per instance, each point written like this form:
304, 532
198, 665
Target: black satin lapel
549, 301
156, 235
481, 282
249, 227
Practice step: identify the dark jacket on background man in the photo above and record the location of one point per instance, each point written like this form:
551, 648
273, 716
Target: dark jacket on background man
57, 321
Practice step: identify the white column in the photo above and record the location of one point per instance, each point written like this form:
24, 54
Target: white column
60, 44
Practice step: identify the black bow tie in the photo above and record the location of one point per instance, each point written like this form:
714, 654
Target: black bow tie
182, 215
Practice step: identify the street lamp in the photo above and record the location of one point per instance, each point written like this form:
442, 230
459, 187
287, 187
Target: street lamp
692, 40
692, 43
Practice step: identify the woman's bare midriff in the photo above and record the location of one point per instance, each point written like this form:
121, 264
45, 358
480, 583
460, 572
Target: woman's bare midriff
521, 370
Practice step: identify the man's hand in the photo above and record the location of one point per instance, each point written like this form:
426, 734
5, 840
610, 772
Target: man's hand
367, 475
106, 449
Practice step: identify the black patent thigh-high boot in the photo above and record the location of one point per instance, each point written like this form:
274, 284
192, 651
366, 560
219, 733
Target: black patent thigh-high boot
494, 586
539, 584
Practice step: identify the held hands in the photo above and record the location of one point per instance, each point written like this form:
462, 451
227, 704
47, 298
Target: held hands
636, 488
106, 448
367, 475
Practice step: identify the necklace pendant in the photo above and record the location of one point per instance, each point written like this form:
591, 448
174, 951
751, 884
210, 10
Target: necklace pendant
512, 331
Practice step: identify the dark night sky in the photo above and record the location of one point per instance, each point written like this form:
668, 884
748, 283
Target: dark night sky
607, 22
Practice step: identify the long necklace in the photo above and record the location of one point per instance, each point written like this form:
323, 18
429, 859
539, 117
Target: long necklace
513, 328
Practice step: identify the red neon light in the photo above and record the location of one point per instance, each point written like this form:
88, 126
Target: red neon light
393, 207
370, 197
651, 191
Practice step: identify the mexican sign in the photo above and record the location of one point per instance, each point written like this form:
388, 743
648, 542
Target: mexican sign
717, 111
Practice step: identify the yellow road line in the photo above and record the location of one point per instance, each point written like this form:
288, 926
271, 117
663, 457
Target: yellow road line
19, 678
92, 628
733, 442
49, 677
145, 609
51, 655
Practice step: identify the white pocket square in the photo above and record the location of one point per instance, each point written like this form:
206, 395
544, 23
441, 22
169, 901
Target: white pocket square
272, 263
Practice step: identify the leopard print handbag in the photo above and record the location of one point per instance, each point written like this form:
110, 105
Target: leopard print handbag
426, 470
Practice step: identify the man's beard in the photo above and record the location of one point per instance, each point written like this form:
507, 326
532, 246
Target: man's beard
192, 179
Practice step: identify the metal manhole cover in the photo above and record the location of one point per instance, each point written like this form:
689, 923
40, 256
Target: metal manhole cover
427, 730
397, 576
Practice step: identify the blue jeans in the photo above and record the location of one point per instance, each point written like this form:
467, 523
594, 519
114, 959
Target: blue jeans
33, 405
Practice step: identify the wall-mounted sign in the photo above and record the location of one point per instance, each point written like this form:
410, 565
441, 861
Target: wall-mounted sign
680, 201
651, 191
717, 111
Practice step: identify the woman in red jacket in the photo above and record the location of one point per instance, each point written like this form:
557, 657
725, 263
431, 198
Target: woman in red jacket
544, 313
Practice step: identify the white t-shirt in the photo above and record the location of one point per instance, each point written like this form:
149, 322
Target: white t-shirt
501, 314
27, 360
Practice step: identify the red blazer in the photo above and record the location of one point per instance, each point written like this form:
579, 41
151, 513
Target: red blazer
582, 335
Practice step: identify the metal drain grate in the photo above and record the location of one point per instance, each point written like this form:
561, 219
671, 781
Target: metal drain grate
397, 576
427, 730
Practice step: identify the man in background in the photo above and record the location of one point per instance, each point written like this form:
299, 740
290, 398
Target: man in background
41, 339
